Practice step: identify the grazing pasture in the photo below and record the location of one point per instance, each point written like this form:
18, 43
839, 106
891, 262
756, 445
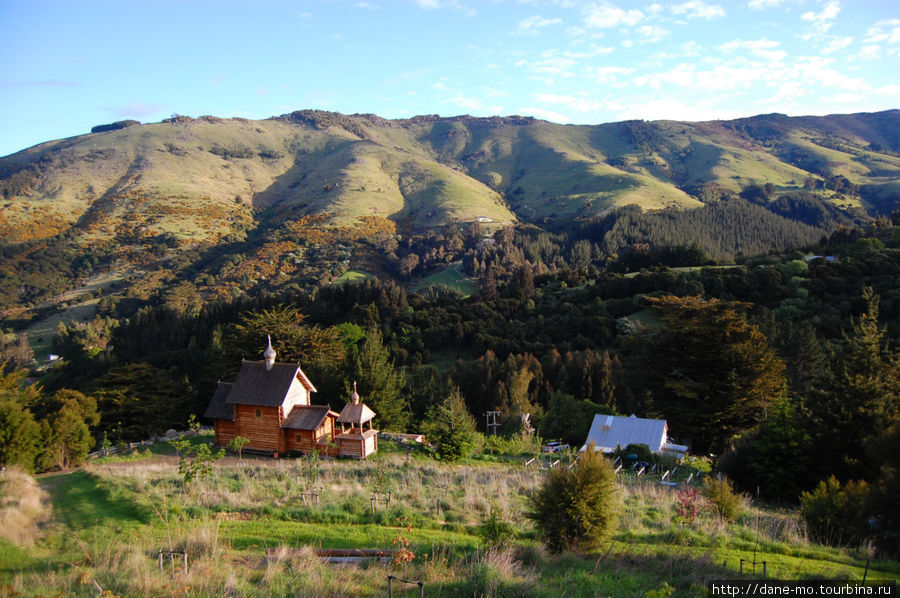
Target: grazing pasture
252, 526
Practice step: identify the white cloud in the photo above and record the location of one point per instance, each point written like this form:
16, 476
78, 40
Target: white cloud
545, 115
821, 21
608, 75
830, 11
788, 92
450, 4
367, 6
551, 65
885, 31
533, 25
870, 52
606, 15
652, 33
697, 9
592, 52
836, 45
762, 48
762, 4
819, 70
843, 98
473, 104
576, 103
673, 109
891, 90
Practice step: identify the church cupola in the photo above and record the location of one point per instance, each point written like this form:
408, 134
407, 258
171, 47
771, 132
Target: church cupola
269, 355
354, 398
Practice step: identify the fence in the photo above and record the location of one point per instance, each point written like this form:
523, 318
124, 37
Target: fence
106, 452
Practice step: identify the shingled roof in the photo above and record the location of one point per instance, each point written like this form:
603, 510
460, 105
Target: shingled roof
355, 414
256, 385
307, 417
218, 408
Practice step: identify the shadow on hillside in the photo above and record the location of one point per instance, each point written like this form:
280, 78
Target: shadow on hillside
83, 500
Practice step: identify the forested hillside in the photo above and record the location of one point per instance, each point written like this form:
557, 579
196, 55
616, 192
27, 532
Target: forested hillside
199, 209
763, 362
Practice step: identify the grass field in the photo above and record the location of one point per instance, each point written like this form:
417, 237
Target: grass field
451, 277
104, 525
352, 276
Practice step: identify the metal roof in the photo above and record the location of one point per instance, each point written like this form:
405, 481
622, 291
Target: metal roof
218, 408
610, 431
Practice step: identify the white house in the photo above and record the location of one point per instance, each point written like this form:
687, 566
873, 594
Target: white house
611, 431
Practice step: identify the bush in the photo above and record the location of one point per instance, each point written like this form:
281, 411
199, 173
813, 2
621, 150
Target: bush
496, 532
577, 509
835, 515
721, 494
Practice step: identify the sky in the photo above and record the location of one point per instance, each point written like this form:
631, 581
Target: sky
70, 65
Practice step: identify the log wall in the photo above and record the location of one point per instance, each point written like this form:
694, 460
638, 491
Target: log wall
225, 431
264, 432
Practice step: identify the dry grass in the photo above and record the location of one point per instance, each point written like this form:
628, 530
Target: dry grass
260, 504
23, 507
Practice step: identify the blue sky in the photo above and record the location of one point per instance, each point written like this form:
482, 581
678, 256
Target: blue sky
68, 66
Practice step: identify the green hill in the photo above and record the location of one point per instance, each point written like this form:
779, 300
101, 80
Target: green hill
202, 178
243, 200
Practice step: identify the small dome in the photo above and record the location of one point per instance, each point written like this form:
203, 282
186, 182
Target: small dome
354, 398
269, 354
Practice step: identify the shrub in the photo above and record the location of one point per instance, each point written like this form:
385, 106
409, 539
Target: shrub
721, 494
496, 532
577, 509
834, 515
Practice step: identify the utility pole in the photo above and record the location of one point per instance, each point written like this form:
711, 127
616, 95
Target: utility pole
491, 421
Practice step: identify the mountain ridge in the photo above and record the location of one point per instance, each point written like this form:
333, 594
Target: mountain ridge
306, 197
428, 170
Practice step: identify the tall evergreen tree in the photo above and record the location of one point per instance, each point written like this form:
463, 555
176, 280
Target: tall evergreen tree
860, 398
20, 434
711, 372
450, 427
379, 383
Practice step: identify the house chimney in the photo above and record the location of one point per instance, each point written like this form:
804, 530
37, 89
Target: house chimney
269, 354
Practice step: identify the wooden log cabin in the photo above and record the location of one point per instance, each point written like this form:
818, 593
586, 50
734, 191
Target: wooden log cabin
269, 404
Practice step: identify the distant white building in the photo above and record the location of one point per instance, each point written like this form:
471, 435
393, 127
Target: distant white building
611, 431
484, 219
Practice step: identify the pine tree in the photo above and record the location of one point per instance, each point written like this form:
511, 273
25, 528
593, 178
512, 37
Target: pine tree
860, 398
711, 372
450, 428
20, 434
379, 383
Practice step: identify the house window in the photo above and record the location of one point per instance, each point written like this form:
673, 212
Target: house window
259, 413
299, 438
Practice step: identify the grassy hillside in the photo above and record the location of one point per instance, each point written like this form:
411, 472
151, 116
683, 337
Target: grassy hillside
301, 198
201, 178
108, 522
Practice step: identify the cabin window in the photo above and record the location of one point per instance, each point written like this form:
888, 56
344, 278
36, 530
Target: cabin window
299, 438
259, 413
